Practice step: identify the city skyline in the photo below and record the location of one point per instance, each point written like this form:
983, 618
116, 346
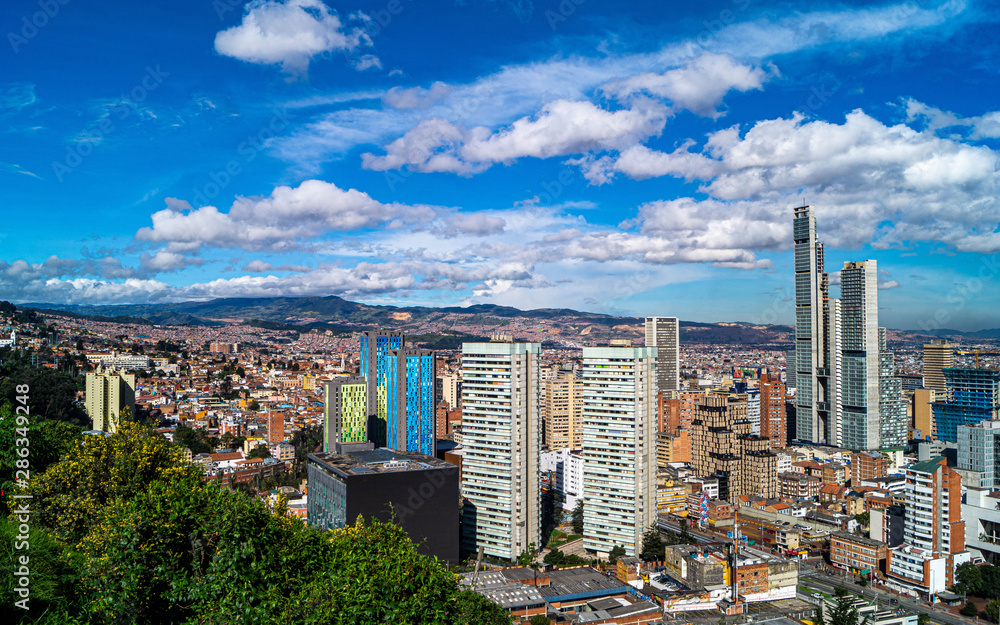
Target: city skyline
639, 159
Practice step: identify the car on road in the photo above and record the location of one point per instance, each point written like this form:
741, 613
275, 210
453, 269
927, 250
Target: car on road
893, 600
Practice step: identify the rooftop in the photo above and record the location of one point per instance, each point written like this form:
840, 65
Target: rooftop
382, 460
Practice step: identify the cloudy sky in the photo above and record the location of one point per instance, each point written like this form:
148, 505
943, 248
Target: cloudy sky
627, 157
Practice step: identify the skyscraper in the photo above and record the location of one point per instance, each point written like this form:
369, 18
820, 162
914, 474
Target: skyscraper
813, 420
375, 346
723, 447
501, 437
938, 354
619, 447
345, 411
562, 424
971, 396
663, 333
892, 408
859, 381
109, 393
410, 400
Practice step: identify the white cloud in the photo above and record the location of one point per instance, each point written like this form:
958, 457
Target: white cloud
561, 127
290, 34
416, 97
986, 126
698, 87
17, 96
281, 221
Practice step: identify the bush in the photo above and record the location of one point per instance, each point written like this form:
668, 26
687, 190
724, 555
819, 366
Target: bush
969, 609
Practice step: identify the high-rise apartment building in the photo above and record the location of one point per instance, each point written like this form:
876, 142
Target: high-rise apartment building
814, 417
938, 355
619, 447
275, 427
562, 404
979, 452
772, 410
868, 465
892, 406
722, 447
664, 334
345, 411
501, 437
934, 533
451, 389
109, 392
410, 400
374, 352
971, 396
859, 385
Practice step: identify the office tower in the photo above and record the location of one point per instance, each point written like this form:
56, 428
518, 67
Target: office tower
938, 355
561, 411
275, 427
835, 361
859, 384
892, 408
722, 447
813, 418
417, 492
619, 447
979, 452
109, 392
663, 333
790, 368
410, 400
501, 436
933, 530
772, 410
972, 395
345, 411
375, 346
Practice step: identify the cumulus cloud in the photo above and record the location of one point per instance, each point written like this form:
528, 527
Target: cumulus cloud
561, 127
986, 126
698, 87
285, 220
416, 97
290, 34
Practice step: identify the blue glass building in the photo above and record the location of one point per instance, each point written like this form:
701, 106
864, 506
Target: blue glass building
375, 347
973, 395
410, 400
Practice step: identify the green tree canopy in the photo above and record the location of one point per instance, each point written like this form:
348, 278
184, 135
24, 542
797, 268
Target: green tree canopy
578, 518
653, 548
616, 552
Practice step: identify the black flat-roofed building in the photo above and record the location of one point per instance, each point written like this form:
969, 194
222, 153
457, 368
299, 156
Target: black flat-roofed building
421, 491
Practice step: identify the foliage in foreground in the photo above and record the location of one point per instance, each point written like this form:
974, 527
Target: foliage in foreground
149, 542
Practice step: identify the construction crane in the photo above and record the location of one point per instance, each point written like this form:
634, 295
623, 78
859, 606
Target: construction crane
977, 352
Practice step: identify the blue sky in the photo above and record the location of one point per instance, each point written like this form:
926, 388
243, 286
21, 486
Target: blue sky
628, 157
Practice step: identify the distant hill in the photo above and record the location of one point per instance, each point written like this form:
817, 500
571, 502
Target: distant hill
444, 326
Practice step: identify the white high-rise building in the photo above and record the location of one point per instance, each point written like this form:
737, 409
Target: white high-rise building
663, 333
859, 381
109, 392
501, 437
619, 447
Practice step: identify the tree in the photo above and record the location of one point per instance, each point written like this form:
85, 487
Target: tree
539, 619
71, 494
992, 611
527, 556
844, 611
254, 405
616, 552
474, 609
653, 548
52, 394
819, 614
578, 518
554, 557
969, 609
195, 440
863, 519
260, 451
923, 619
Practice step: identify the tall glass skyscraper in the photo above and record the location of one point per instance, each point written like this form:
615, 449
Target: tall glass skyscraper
859, 340
375, 346
973, 395
664, 334
410, 401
